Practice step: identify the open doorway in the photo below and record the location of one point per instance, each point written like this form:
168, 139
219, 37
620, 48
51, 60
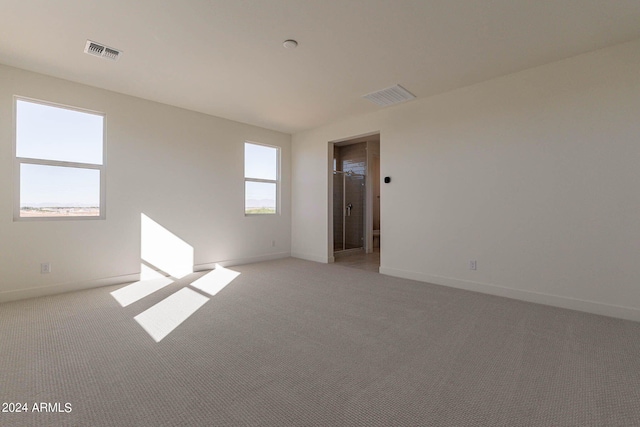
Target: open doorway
354, 200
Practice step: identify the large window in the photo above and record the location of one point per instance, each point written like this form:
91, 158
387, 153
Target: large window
59, 162
261, 178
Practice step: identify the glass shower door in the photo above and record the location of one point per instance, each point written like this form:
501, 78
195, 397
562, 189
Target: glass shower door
338, 211
348, 211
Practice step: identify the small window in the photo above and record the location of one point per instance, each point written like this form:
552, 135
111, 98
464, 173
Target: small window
261, 178
59, 162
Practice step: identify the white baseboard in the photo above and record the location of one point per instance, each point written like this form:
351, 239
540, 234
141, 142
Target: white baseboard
240, 261
309, 257
620, 312
19, 294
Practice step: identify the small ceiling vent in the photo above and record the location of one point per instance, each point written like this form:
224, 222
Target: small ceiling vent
97, 49
390, 96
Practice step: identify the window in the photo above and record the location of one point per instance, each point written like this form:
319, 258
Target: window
261, 178
59, 155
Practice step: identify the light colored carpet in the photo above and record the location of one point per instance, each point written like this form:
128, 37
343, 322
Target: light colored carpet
296, 343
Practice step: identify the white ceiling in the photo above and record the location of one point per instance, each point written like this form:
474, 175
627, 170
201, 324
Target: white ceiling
225, 57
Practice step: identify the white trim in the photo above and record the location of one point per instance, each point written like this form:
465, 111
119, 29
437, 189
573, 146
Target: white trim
240, 261
18, 161
309, 257
267, 181
368, 202
330, 179
14, 162
41, 291
19, 294
58, 163
359, 136
58, 105
593, 307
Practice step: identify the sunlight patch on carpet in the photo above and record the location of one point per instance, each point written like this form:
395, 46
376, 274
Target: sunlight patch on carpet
161, 319
216, 280
138, 290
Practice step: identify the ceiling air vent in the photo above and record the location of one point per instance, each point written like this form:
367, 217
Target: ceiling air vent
390, 96
97, 49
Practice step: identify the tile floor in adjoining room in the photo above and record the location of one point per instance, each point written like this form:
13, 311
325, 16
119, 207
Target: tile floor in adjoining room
360, 260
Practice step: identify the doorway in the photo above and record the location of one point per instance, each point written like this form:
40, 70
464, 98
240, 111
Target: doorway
354, 219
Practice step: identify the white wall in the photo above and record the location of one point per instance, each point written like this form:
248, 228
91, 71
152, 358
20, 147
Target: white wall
182, 169
535, 175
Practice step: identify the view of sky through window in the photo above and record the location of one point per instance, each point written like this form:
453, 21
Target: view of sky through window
260, 161
260, 195
54, 186
53, 133
60, 155
261, 175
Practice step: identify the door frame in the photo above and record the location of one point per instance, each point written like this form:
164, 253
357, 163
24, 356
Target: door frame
368, 220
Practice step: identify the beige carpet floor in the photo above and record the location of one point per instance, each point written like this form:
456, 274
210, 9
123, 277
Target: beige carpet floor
296, 343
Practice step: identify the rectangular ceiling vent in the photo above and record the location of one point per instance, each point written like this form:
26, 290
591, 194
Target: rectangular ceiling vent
390, 96
102, 51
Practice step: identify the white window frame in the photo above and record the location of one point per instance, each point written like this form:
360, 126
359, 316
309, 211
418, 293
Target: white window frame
273, 181
18, 161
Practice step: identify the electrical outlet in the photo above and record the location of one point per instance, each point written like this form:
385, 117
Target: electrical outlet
45, 268
273, 243
473, 265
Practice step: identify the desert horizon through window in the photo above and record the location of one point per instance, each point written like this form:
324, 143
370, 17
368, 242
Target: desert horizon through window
261, 177
59, 161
